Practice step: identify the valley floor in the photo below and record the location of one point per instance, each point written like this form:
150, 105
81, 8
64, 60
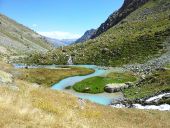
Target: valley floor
24, 104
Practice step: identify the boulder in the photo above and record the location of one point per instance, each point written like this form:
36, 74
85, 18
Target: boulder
111, 88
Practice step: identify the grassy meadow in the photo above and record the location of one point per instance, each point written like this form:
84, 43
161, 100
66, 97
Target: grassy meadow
34, 107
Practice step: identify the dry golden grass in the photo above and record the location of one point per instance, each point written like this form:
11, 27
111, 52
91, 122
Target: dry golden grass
38, 107
41, 107
48, 77
5, 77
5, 67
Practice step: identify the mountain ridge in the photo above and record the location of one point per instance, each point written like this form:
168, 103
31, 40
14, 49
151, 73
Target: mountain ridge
128, 7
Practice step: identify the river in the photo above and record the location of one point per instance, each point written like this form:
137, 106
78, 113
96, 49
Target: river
101, 98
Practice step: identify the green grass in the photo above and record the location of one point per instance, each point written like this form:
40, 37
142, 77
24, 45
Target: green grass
167, 66
122, 77
96, 84
48, 77
159, 81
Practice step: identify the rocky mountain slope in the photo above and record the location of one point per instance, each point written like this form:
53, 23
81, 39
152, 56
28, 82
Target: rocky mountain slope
18, 39
87, 35
139, 37
128, 7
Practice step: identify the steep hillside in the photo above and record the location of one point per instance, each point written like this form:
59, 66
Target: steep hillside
141, 36
87, 35
128, 7
16, 38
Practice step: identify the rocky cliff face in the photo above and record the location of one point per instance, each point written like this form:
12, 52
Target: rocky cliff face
128, 7
87, 35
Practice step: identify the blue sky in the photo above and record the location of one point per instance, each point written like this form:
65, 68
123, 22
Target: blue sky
60, 18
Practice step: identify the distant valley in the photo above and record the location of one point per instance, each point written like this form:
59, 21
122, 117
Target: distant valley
62, 42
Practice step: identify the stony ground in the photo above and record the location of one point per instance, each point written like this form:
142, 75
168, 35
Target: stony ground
153, 64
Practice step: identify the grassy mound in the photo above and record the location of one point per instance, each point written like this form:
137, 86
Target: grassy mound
96, 84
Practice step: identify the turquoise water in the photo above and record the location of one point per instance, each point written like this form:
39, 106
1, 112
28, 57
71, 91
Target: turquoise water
102, 98
72, 80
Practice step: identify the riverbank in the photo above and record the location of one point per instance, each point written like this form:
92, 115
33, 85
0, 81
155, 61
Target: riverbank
151, 92
159, 101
